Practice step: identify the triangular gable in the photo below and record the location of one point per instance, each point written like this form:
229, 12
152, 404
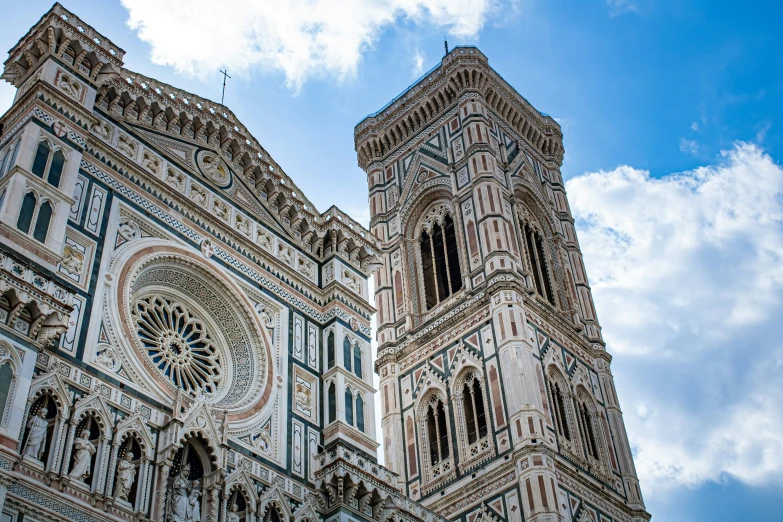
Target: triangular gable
473, 342
96, 404
135, 423
199, 419
274, 496
53, 383
306, 511
497, 506
241, 477
464, 357
174, 148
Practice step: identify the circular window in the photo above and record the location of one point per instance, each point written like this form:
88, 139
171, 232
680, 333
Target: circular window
178, 343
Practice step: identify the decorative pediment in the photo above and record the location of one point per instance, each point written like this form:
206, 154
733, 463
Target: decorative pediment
198, 419
240, 479
306, 511
428, 380
95, 404
274, 498
52, 383
135, 424
463, 357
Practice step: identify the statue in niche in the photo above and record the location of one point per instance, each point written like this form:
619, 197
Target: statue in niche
83, 457
36, 439
194, 506
232, 514
185, 505
126, 473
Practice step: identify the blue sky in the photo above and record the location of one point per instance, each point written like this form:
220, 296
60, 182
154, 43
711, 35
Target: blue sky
672, 114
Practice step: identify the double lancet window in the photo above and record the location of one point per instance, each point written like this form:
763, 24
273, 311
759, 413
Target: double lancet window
474, 410
437, 431
537, 260
49, 163
33, 212
439, 260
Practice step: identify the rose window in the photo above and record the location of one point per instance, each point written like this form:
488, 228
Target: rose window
178, 343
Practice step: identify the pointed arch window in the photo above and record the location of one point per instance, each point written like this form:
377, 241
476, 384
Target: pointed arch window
347, 353
359, 412
437, 432
474, 411
559, 407
349, 407
42, 223
332, 400
586, 418
330, 350
538, 261
440, 262
357, 360
6, 378
48, 163
26, 215
9, 159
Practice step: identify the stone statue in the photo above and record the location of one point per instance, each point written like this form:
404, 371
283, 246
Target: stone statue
126, 472
232, 514
185, 505
36, 440
83, 457
194, 507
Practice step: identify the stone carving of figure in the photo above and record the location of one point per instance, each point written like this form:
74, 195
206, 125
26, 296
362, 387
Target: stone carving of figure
194, 506
72, 89
180, 502
174, 179
83, 457
264, 240
151, 163
126, 472
72, 260
303, 396
286, 255
127, 147
232, 515
197, 196
220, 210
36, 440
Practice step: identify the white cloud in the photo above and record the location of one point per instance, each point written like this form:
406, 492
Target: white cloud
689, 146
301, 38
687, 274
418, 64
695, 126
618, 7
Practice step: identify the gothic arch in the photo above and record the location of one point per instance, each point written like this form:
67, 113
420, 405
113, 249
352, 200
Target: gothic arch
9, 356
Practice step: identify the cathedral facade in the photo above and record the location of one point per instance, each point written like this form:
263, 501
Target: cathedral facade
185, 338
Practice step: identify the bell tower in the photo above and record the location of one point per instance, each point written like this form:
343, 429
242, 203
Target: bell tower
497, 397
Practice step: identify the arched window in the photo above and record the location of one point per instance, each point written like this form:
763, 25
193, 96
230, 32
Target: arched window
349, 407
330, 350
56, 169
440, 262
437, 432
332, 399
42, 223
238, 504
587, 424
6, 376
475, 414
559, 407
272, 515
45, 161
357, 360
347, 353
538, 263
26, 214
9, 159
41, 159
360, 412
